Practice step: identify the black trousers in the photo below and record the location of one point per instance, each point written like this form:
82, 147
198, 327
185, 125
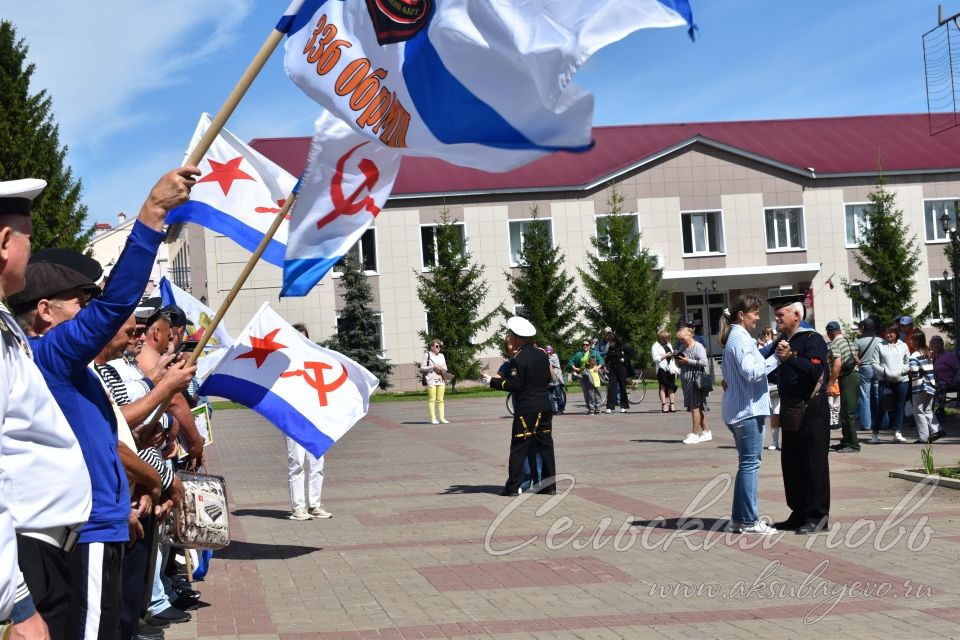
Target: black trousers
617, 387
48, 572
137, 577
528, 429
97, 590
806, 472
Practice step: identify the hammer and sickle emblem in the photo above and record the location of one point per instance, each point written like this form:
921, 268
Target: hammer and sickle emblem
321, 386
349, 206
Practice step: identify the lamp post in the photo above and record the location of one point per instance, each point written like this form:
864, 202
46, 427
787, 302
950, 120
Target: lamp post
949, 225
707, 335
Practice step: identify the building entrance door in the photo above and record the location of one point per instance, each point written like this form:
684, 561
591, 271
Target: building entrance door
703, 312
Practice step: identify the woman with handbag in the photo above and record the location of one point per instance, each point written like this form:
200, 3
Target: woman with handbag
892, 366
667, 370
696, 384
745, 406
433, 367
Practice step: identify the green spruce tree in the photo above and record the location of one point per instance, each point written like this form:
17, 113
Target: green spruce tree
888, 257
544, 290
622, 282
358, 329
30, 148
452, 294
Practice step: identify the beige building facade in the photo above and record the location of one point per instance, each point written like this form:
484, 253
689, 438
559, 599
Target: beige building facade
721, 219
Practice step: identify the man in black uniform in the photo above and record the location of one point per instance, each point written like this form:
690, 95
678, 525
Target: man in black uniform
527, 380
806, 474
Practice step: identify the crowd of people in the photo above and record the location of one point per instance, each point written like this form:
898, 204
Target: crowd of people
97, 404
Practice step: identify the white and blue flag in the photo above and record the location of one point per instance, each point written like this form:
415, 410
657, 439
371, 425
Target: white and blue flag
480, 83
346, 183
312, 394
238, 195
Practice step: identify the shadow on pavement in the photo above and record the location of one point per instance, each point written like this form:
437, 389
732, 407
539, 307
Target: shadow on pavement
277, 514
686, 524
241, 550
474, 488
654, 440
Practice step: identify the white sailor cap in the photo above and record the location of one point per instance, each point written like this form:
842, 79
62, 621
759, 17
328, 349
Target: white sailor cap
521, 327
16, 196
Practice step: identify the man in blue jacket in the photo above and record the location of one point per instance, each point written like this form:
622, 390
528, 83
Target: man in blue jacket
68, 326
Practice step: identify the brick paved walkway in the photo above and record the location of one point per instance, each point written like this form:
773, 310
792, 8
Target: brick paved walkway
421, 545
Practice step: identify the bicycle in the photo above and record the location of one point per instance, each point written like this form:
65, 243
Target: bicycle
636, 389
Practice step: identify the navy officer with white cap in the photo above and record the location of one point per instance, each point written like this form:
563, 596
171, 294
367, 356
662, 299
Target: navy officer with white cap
801, 378
44, 479
528, 380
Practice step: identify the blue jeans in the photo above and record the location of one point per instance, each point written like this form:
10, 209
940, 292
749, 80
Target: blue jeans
869, 401
892, 397
748, 436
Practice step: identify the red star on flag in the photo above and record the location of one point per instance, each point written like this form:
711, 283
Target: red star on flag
224, 173
262, 347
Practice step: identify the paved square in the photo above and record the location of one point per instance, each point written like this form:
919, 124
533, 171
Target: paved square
421, 545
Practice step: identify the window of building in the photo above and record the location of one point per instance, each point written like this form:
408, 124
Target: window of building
604, 237
856, 311
428, 243
365, 251
932, 210
938, 286
784, 228
517, 229
702, 232
379, 331
856, 222
520, 310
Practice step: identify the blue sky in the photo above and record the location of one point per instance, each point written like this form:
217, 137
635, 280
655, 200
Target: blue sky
129, 79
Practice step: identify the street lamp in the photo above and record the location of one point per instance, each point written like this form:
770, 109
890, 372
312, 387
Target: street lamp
949, 226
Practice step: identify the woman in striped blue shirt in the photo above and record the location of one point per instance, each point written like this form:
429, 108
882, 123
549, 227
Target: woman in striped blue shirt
923, 387
745, 406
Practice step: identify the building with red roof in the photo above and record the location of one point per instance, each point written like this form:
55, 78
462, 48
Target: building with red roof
766, 206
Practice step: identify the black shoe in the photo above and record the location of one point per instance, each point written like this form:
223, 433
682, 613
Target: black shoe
936, 436
811, 527
848, 448
170, 615
921, 441
186, 603
507, 492
787, 525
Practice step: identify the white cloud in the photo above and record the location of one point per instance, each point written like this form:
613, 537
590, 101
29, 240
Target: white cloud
96, 59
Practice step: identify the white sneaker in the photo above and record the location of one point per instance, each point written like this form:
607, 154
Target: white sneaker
609, 411
772, 448
706, 436
760, 527
623, 410
300, 513
735, 527
875, 438
691, 438
434, 422
898, 437
444, 421
320, 512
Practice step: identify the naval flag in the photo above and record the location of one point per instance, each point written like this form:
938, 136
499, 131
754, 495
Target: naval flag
481, 83
312, 394
238, 194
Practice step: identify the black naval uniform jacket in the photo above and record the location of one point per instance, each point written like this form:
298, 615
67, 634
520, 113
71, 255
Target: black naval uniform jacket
527, 380
798, 374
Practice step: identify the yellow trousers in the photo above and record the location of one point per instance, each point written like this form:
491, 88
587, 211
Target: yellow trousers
435, 400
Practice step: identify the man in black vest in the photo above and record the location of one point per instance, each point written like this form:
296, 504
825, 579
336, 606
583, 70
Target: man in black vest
806, 474
528, 380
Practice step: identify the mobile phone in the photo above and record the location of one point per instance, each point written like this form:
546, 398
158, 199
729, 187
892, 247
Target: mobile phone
186, 345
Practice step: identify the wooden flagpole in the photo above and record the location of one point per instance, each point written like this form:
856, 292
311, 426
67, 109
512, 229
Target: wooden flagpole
242, 278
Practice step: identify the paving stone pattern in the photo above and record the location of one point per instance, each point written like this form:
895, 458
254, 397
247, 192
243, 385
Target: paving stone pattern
421, 545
